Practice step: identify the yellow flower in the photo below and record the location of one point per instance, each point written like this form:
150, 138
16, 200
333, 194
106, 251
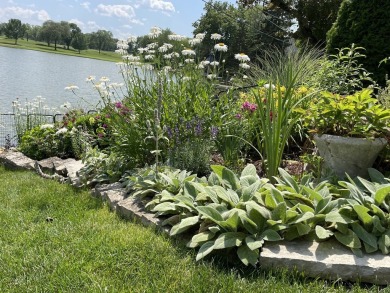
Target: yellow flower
302, 90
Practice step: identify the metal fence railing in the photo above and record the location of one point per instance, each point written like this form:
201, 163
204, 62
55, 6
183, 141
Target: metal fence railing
11, 125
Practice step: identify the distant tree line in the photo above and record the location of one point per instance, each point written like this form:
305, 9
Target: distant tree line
61, 33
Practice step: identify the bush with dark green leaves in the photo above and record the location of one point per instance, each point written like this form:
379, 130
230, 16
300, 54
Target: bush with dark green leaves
365, 24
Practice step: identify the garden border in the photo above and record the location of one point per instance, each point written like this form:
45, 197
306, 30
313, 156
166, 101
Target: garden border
328, 260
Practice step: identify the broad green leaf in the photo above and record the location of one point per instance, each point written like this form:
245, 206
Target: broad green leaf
212, 194
231, 224
189, 189
213, 179
363, 214
164, 207
381, 194
299, 198
305, 208
277, 194
377, 176
248, 223
367, 184
322, 233
205, 249
377, 211
302, 217
336, 217
270, 235
248, 256
233, 196
223, 195
292, 233
257, 218
350, 239
184, 225
364, 235
322, 205
214, 229
378, 228
303, 229
279, 213
384, 242
289, 180
253, 243
249, 170
200, 238
249, 191
231, 179
229, 239
313, 195
262, 210
210, 213
217, 169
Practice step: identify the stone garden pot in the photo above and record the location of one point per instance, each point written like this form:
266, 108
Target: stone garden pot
349, 155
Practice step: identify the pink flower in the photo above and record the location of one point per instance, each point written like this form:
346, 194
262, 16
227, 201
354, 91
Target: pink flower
118, 105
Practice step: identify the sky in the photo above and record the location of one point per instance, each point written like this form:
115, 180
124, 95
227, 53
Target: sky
122, 17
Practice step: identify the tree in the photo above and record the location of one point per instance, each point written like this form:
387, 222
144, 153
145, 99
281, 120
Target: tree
314, 17
365, 24
51, 32
101, 39
14, 29
79, 41
243, 30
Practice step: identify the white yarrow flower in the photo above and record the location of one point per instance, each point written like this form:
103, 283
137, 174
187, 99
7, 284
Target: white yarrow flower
175, 37
188, 52
194, 41
200, 36
61, 131
189, 61
214, 63
104, 79
46, 126
154, 32
244, 66
71, 88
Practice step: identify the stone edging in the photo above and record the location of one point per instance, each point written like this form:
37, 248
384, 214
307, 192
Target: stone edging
328, 260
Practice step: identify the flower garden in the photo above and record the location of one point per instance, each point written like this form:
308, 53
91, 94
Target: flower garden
231, 159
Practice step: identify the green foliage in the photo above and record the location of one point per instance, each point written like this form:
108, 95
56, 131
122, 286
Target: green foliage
46, 141
100, 168
14, 29
239, 213
357, 115
365, 24
343, 73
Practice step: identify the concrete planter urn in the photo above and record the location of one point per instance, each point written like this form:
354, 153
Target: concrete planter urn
349, 155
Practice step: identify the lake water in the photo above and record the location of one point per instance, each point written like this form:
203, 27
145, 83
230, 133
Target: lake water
25, 74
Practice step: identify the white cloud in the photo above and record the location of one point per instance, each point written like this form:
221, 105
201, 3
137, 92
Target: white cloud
86, 5
162, 5
25, 15
122, 11
93, 26
79, 23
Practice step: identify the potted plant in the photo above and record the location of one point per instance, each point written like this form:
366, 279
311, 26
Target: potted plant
350, 130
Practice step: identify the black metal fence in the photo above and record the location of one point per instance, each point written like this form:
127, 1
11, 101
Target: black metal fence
12, 124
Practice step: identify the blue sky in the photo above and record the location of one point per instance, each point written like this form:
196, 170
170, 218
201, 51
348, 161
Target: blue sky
121, 17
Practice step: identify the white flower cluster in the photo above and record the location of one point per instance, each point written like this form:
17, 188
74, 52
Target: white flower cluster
154, 32
243, 58
188, 52
221, 47
175, 37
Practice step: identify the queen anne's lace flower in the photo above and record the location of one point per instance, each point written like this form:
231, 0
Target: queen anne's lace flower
200, 36
214, 63
46, 126
194, 41
71, 88
149, 57
175, 37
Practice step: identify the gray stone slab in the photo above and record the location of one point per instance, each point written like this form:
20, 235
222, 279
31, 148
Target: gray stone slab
60, 166
133, 209
48, 165
328, 260
16, 160
72, 167
113, 197
100, 189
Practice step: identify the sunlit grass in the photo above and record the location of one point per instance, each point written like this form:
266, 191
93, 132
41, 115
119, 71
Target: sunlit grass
86, 248
43, 47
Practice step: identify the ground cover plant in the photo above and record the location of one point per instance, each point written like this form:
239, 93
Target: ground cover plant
62, 239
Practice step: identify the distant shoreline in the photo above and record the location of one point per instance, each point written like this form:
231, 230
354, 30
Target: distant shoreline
43, 47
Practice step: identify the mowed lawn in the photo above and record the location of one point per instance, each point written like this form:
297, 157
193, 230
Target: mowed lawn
54, 238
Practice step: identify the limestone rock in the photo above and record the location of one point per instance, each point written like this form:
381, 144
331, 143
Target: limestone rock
48, 165
133, 209
16, 160
72, 167
328, 260
100, 189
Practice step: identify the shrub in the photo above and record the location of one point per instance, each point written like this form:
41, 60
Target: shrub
364, 23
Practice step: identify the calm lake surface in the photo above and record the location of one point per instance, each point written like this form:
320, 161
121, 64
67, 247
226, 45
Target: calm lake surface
25, 74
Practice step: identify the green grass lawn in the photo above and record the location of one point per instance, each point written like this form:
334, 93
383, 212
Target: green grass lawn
43, 47
87, 248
